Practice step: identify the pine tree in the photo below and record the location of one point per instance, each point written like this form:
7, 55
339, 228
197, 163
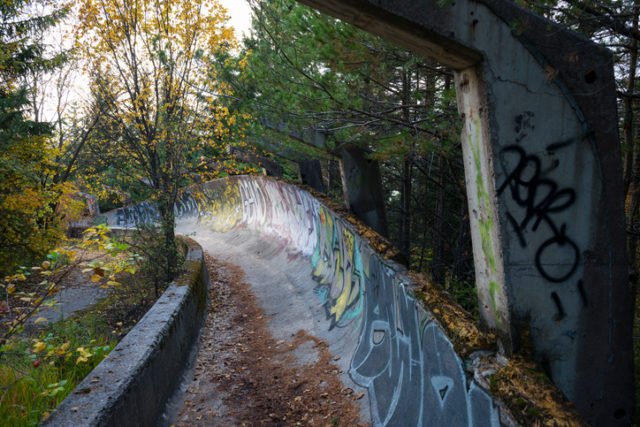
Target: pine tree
29, 225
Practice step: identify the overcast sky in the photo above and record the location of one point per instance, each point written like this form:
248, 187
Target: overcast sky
240, 14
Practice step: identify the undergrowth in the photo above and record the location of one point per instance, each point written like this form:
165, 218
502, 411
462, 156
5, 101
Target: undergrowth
38, 372
41, 366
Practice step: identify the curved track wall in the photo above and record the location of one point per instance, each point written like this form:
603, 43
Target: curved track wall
404, 359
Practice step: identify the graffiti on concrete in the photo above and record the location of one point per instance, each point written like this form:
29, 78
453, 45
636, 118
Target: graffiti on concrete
338, 269
403, 358
413, 375
186, 206
281, 210
410, 368
218, 206
141, 213
540, 198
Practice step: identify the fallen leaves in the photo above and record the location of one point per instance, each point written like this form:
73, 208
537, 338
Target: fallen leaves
257, 379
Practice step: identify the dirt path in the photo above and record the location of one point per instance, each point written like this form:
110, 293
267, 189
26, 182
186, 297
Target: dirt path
76, 293
244, 377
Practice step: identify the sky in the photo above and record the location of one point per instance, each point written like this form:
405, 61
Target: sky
240, 14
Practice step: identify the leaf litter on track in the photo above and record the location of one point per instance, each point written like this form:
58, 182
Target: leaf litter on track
244, 377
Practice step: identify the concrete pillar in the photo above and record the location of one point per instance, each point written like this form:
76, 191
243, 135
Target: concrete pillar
310, 173
360, 176
544, 183
363, 188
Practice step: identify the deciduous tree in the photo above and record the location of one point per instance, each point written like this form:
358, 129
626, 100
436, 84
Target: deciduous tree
153, 73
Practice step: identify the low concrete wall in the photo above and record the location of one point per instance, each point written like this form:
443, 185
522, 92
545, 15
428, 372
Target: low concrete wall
131, 386
423, 360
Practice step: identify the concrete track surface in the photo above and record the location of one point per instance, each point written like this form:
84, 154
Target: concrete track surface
310, 271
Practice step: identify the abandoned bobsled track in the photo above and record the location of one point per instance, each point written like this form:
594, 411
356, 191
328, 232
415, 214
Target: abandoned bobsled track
244, 375
314, 302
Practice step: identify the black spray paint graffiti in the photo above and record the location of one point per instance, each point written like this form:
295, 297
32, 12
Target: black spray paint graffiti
540, 197
413, 375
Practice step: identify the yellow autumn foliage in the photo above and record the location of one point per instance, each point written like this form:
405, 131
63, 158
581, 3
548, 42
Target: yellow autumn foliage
34, 210
154, 62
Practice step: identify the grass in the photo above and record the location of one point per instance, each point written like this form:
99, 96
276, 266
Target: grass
39, 369
35, 382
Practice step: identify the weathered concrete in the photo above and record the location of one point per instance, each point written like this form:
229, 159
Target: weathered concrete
335, 285
285, 288
310, 173
543, 173
363, 188
132, 385
361, 183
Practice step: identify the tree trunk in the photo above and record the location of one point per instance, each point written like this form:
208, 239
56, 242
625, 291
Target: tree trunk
438, 264
166, 201
405, 210
404, 238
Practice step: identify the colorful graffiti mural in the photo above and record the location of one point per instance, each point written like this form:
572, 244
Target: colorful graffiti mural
338, 269
404, 360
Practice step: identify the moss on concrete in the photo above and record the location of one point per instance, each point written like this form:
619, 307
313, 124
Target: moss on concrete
194, 275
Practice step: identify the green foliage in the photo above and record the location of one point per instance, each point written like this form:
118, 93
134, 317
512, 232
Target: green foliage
150, 245
464, 293
38, 371
30, 289
156, 99
29, 223
314, 72
37, 374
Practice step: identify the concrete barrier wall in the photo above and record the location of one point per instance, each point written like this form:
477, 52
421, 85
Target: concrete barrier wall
404, 359
131, 387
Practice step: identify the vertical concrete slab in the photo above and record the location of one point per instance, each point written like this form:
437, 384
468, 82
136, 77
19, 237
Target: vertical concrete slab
310, 173
543, 172
363, 188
